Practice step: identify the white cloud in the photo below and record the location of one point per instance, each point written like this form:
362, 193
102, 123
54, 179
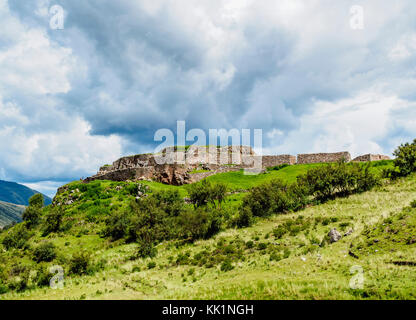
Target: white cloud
358, 125
124, 69
48, 188
57, 154
31, 63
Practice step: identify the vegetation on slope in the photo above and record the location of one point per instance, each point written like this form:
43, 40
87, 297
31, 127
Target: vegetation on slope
126, 240
393, 234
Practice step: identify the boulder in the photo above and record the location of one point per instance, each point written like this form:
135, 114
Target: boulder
334, 235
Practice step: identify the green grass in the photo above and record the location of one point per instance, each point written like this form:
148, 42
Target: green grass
199, 171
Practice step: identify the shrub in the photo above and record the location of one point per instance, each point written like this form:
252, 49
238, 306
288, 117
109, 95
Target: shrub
279, 167
43, 276
201, 223
146, 249
405, 161
79, 263
227, 265
244, 218
151, 265
53, 221
3, 288
279, 232
148, 222
204, 193
33, 212
31, 216
262, 246
117, 226
339, 179
170, 202
413, 204
276, 197
17, 237
45, 252
249, 244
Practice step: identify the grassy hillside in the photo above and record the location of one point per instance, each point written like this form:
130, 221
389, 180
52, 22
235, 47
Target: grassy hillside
265, 266
13, 192
280, 257
10, 213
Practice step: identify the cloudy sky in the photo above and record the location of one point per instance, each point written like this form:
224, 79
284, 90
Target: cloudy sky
74, 99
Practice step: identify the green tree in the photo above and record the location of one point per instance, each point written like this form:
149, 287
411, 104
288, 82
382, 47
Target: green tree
33, 212
53, 221
405, 161
37, 201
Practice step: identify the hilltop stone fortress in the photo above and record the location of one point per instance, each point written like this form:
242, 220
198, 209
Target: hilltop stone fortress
178, 166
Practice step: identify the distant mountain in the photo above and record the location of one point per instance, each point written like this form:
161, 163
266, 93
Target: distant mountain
10, 213
15, 193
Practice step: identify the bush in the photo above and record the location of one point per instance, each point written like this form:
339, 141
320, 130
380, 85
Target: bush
275, 197
227, 265
279, 167
146, 249
249, 244
53, 221
339, 179
43, 276
79, 263
244, 218
405, 161
45, 252
117, 226
33, 212
162, 216
170, 202
31, 216
201, 223
17, 237
413, 204
149, 222
204, 193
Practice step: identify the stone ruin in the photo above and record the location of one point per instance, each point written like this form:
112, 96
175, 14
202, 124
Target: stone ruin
179, 166
323, 157
371, 157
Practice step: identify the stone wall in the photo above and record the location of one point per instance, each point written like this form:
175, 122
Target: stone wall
271, 161
371, 157
175, 167
323, 157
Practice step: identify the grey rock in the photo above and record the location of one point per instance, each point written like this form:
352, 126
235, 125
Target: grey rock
334, 235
